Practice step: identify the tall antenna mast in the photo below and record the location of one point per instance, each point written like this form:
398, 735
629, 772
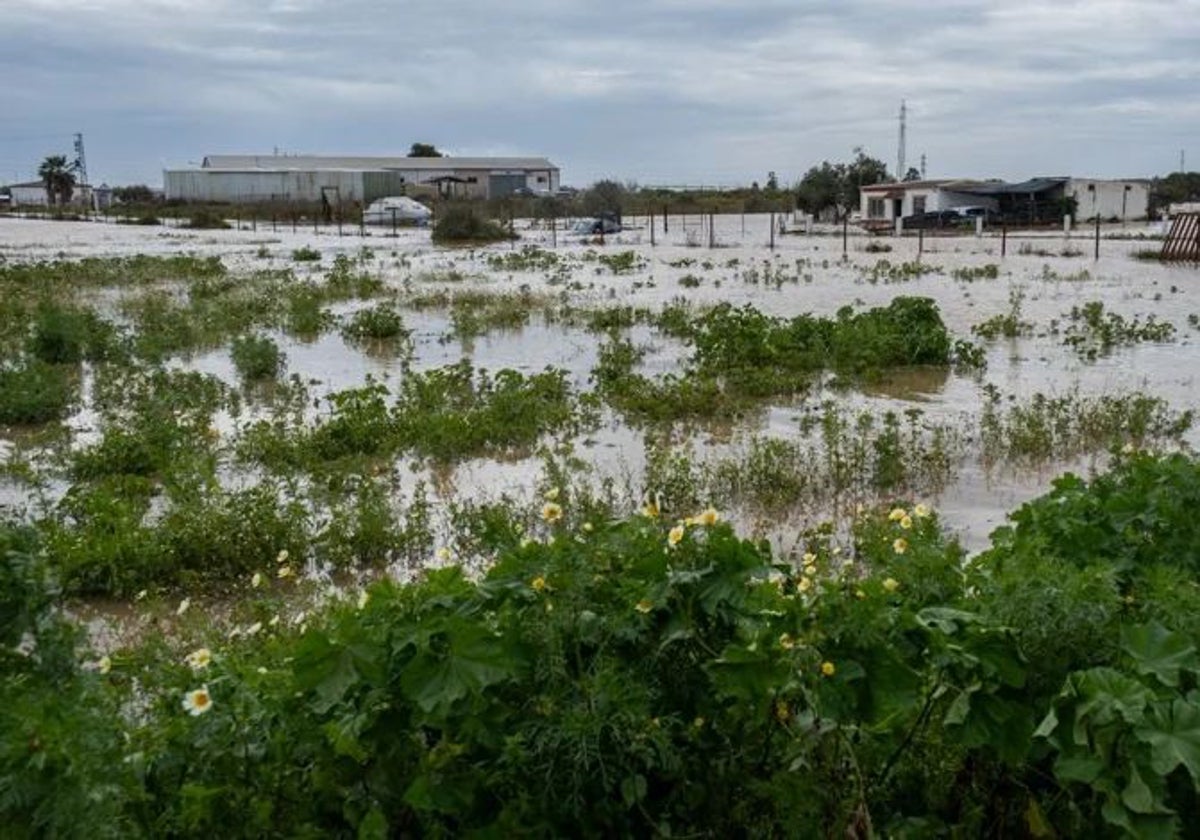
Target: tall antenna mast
922, 166
80, 164
900, 170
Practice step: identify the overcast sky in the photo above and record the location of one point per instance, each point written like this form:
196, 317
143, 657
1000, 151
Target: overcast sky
653, 91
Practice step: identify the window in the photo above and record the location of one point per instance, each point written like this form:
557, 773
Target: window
918, 204
472, 180
542, 180
875, 208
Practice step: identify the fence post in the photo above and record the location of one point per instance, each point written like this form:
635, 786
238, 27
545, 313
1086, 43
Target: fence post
664, 218
712, 231
1097, 254
845, 234
651, 228
1003, 238
772, 230
920, 242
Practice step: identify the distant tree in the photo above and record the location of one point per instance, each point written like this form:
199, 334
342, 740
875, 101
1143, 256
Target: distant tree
425, 150
56, 174
772, 182
604, 197
1174, 188
913, 174
837, 185
135, 194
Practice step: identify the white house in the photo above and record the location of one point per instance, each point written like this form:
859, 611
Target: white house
33, 194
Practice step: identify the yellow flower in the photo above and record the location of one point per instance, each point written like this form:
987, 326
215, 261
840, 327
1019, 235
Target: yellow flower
804, 584
363, 597
198, 701
183, 606
899, 545
538, 584
551, 495
782, 713
675, 535
1127, 449
921, 511
284, 572
810, 569
588, 527
199, 659
104, 665
643, 606
897, 514
256, 580
809, 558
906, 522
709, 517
141, 595
254, 628
786, 641
443, 554
828, 669
552, 512
859, 594
282, 556
698, 722
891, 584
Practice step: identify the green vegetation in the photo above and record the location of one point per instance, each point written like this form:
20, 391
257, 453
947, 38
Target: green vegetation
1008, 325
257, 357
306, 254
1092, 331
34, 392
462, 224
635, 675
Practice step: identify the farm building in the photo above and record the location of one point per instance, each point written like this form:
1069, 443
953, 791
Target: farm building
309, 178
1035, 200
33, 194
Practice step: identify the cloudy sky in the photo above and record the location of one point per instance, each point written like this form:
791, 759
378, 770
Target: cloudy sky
653, 91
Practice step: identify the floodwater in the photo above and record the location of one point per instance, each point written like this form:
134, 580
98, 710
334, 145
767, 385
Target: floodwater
801, 273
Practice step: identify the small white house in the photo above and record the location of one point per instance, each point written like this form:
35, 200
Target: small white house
888, 202
1123, 200
33, 194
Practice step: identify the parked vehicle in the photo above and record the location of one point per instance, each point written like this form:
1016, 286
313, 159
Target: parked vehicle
934, 219
399, 209
988, 215
598, 225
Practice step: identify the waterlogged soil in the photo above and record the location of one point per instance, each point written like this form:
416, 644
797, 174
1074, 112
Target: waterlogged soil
796, 274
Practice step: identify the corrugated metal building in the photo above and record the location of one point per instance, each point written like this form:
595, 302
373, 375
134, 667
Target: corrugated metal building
306, 178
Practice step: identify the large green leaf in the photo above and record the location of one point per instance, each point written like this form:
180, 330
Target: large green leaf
1156, 650
1173, 733
471, 661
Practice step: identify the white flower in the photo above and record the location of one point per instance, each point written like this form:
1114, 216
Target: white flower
253, 628
183, 606
199, 659
104, 665
363, 597
198, 701
284, 572
282, 556
256, 580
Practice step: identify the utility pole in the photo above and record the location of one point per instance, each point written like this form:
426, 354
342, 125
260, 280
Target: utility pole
900, 170
81, 162
922, 166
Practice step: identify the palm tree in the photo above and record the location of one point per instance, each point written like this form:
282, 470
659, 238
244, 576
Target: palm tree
56, 174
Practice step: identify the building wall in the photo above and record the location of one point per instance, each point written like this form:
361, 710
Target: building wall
28, 196
948, 200
247, 187
1109, 199
363, 186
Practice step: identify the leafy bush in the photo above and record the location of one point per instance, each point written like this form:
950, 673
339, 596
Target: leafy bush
306, 254
205, 219
256, 357
378, 323
34, 392
461, 223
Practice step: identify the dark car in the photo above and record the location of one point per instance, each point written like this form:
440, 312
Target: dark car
604, 223
989, 216
934, 219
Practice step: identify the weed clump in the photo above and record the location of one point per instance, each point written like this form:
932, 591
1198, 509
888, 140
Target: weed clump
256, 357
306, 253
461, 224
33, 392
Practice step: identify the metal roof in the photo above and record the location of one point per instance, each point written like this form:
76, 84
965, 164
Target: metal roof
277, 163
1030, 187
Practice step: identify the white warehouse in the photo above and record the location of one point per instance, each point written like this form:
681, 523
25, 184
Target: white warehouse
311, 178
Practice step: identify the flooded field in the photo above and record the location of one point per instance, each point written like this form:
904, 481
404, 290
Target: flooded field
1066, 359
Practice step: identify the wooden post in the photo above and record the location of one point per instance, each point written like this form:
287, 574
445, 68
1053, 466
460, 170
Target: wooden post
651, 228
920, 242
1097, 255
394, 234
665, 218
274, 228
554, 231
845, 233
772, 230
712, 232
1003, 238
